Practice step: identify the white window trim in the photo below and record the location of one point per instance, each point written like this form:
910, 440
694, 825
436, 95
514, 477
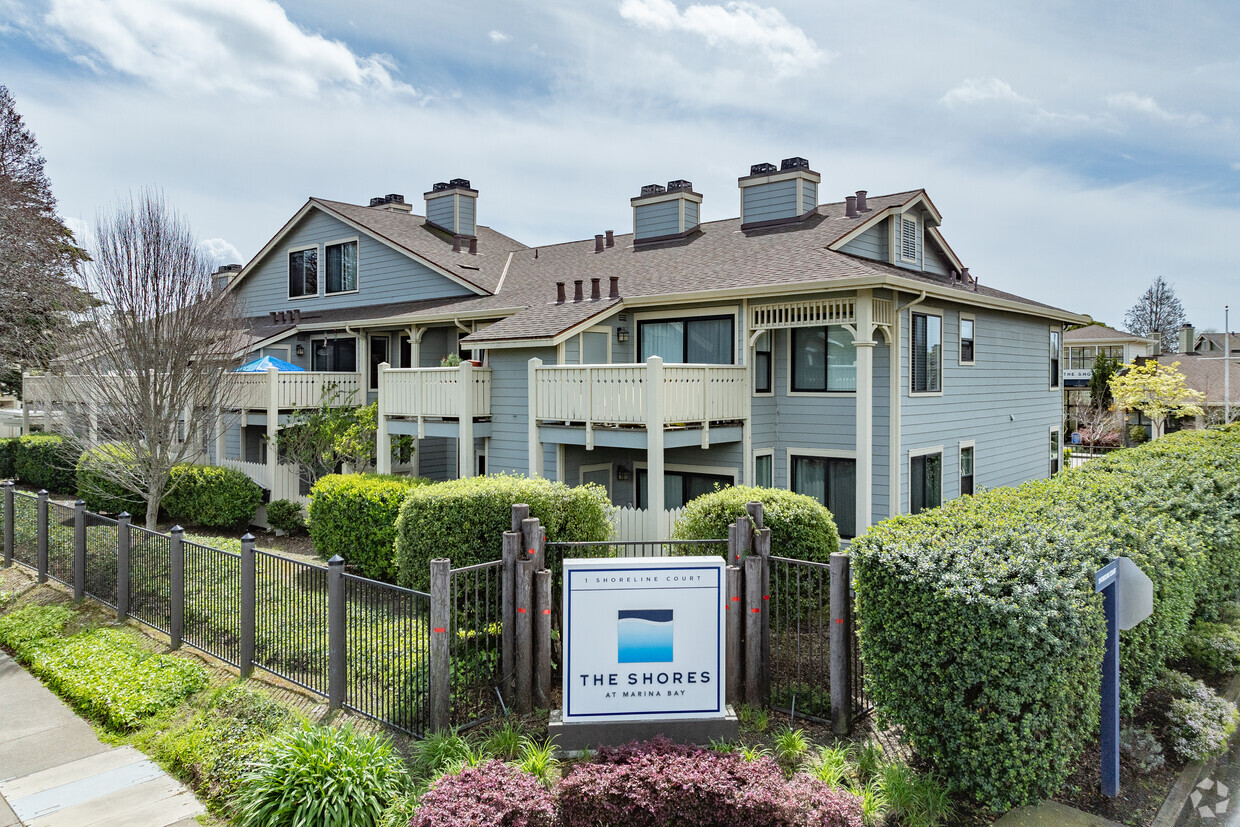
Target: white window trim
1050, 332
581, 343
925, 452
323, 265
960, 339
765, 452
908, 385
732, 310
753, 360
318, 281
1054, 429
824, 453
916, 236
965, 443
788, 391
605, 466
286, 348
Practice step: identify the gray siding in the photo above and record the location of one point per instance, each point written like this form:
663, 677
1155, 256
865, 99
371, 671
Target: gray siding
1003, 402
467, 212
872, 243
510, 437
880, 464
659, 219
442, 211
691, 214
384, 275
809, 196
437, 342
934, 261
768, 202
437, 458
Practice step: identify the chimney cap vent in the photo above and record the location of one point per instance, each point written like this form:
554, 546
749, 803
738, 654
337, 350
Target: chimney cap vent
460, 182
441, 186
761, 169
390, 198
680, 185
793, 163
653, 189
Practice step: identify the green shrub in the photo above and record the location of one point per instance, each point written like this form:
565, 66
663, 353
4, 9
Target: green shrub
286, 516
44, 461
1214, 646
1137, 435
800, 526
98, 490
207, 495
1000, 688
1199, 722
8, 454
465, 520
321, 776
108, 676
354, 516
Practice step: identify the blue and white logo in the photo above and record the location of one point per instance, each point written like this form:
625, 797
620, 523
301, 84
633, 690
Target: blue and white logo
644, 636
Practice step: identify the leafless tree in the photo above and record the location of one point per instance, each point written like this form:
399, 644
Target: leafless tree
1157, 313
1100, 424
145, 370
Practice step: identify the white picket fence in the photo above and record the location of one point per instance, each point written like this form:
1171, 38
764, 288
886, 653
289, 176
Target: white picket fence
633, 525
285, 486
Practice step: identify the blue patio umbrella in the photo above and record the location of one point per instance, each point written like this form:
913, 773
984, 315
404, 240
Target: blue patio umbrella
265, 363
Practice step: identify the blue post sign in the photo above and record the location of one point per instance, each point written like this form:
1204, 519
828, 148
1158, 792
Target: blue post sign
1128, 598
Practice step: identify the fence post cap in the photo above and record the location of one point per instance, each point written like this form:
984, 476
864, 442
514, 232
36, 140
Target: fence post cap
247, 537
336, 560
124, 515
176, 529
9, 483
79, 503
42, 492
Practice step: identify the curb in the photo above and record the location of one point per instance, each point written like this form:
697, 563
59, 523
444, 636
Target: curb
1169, 812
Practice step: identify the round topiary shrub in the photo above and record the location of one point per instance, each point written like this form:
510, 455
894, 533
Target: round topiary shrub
45, 461
321, 775
800, 526
354, 515
285, 515
207, 495
465, 520
98, 489
491, 793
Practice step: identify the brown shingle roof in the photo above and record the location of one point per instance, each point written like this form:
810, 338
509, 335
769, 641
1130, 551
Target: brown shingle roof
1205, 373
1098, 331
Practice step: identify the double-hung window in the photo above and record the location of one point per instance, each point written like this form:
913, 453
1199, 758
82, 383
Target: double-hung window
303, 273
925, 482
341, 267
823, 360
1056, 352
762, 371
966, 339
705, 340
926, 354
764, 470
966, 469
833, 482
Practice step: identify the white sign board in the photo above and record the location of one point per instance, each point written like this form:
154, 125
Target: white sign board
1136, 590
644, 638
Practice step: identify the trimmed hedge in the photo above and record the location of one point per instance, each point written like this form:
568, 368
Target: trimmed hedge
206, 495
43, 461
354, 515
980, 629
800, 526
286, 516
8, 453
465, 520
98, 491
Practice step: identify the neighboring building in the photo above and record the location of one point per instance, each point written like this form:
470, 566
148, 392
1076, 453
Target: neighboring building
1202, 361
1081, 346
839, 350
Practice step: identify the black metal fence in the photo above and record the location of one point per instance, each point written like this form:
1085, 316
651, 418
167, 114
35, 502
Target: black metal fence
800, 655
212, 623
291, 623
150, 578
476, 631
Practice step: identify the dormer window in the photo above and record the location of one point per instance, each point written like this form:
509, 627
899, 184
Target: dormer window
908, 238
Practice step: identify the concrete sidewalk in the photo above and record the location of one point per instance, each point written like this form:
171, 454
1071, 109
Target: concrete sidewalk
54, 772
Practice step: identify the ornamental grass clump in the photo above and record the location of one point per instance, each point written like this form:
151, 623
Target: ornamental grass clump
493, 793
325, 776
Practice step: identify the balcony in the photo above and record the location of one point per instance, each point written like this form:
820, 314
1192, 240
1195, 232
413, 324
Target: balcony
436, 392
293, 389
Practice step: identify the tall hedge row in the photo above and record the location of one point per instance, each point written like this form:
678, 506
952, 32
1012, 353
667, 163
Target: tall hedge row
354, 515
465, 520
8, 453
980, 629
44, 461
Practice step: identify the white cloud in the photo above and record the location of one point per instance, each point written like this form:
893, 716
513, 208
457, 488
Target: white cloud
499, 37
228, 46
220, 251
738, 24
977, 90
1146, 105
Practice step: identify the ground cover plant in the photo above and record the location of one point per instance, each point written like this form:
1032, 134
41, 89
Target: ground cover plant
1198, 721
490, 793
997, 589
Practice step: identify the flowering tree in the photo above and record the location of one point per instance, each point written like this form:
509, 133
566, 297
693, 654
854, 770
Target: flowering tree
1158, 391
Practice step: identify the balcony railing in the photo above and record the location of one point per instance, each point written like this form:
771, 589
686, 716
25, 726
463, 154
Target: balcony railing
295, 389
437, 392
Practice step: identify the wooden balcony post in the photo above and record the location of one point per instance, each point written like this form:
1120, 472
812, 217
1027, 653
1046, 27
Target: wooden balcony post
383, 440
864, 345
465, 427
535, 463
273, 425
25, 405
654, 447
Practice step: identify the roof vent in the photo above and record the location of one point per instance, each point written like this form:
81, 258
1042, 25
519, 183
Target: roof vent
861, 205
652, 189
680, 185
793, 163
770, 196
762, 169
850, 207
392, 202
452, 206
441, 186
664, 213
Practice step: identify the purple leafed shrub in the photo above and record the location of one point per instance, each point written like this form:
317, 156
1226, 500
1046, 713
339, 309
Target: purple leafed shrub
494, 793
659, 782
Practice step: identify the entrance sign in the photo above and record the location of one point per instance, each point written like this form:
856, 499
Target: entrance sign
644, 639
1128, 599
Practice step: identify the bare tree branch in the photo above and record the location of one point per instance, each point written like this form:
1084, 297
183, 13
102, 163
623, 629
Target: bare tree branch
1157, 313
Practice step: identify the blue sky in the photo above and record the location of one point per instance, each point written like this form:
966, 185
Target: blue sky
1076, 150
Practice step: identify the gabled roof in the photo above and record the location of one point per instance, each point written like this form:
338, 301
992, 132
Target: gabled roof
409, 234
1206, 374
1217, 341
1097, 332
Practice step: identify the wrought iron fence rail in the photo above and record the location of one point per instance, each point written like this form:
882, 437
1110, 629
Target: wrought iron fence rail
476, 629
291, 624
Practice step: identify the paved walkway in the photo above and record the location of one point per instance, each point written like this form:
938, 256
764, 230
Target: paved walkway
54, 772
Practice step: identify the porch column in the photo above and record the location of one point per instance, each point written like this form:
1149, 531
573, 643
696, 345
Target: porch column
273, 426
864, 344
383, 440
535, 463
657, 515
465, 428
